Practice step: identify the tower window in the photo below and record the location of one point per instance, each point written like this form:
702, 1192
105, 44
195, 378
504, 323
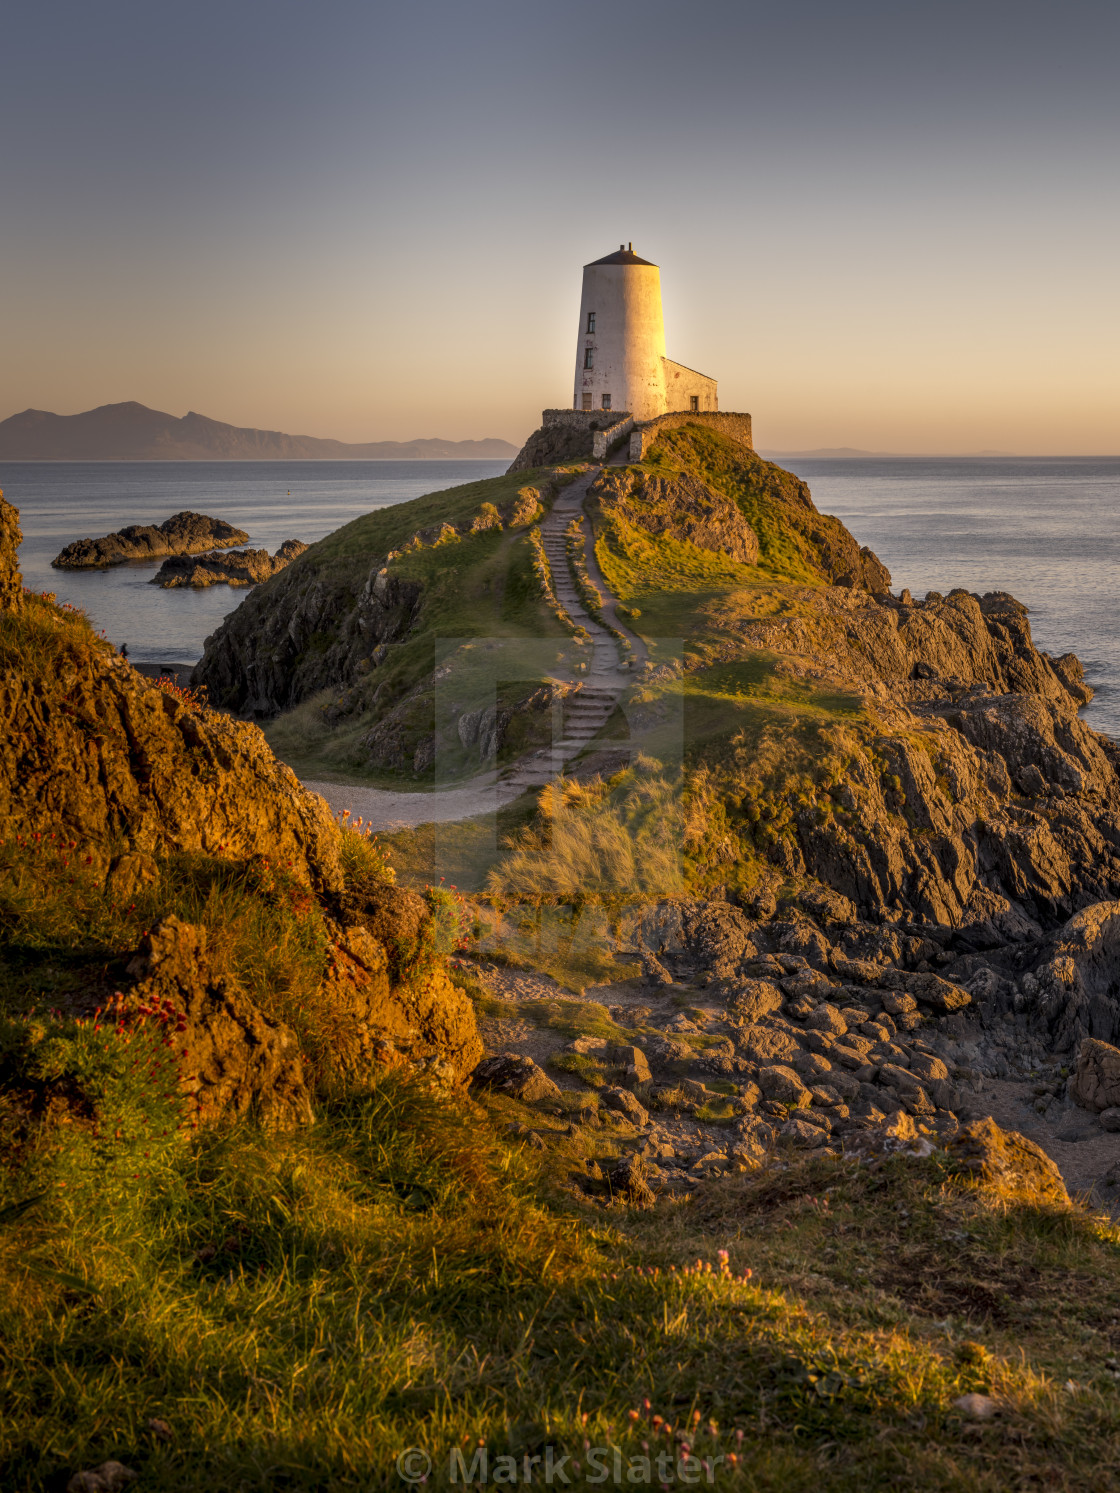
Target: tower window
694, 402
586, 401
590, 321
589, 357
606, 401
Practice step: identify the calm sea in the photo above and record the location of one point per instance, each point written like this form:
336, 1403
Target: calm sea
60, 501
1046, 530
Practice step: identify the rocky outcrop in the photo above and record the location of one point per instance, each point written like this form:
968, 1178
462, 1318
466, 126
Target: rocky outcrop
236, 1061
1095, 1083
680, 507
11, 583
182, 534
332, 620
1009, 1162
91, 748
571, 437
236, 568
125, 775
1075, 992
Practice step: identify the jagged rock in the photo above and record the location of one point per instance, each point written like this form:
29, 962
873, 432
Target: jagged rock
633, 1060
94, 750
518, 1076
236, 1060
1095, 1083
236, 568
628, 1180
1079, 985
183, 533
624, 1103
1007, 1160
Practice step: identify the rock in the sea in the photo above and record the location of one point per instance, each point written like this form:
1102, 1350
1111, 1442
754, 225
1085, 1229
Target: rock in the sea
183, 533
1007, 1160
518, 1076
234, 568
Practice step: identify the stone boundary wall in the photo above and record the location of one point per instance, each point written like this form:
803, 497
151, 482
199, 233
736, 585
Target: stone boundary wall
602, 440
728, 423
584, 419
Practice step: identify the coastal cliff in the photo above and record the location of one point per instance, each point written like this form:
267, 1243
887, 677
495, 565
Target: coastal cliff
171, 836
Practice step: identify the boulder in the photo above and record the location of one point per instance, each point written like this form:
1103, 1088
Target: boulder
802, 1133
1095, 1083
927, 990
1008, 1161
623, 1102
633, 1060
629, 1181
783, 1085
765, 1044
750, 1000
826, 1018
518, 1076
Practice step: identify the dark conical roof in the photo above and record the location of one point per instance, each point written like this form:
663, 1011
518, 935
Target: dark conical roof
625, 255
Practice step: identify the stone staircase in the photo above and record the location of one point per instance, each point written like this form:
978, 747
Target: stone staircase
585, 712
584, 715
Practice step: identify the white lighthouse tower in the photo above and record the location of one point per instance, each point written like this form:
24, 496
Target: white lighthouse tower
620, 352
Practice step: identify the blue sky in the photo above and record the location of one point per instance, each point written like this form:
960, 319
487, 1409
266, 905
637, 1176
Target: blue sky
888, 226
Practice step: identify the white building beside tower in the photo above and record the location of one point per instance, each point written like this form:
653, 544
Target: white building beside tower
620, 353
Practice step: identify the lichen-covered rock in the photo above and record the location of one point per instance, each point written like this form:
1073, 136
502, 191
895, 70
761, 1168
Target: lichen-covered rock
1096, 1079
182, 534
234, 1060
1008, 1161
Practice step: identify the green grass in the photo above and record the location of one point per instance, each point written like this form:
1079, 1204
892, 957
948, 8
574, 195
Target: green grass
301, 1309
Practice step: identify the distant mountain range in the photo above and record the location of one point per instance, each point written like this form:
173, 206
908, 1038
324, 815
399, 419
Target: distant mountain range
132, 432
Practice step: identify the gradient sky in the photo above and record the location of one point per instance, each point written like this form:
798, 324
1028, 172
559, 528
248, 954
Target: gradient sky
884, 225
